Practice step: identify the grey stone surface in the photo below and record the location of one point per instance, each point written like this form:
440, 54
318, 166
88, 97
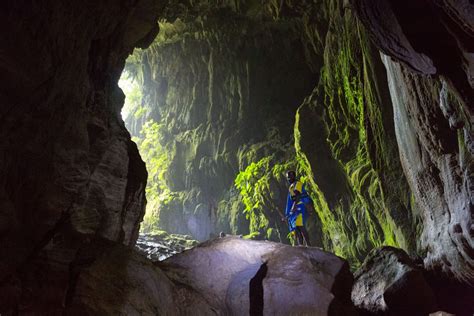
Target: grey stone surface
389, 283
295, 280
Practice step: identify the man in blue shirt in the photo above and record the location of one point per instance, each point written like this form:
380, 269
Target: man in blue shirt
295, 212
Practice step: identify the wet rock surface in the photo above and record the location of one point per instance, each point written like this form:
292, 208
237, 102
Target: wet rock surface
159, 246
72, 182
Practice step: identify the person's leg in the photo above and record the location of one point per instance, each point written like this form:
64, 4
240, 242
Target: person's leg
299, 236
299, 225
305, 235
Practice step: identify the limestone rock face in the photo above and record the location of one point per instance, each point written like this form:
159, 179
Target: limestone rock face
433, 117
67, 166
346, 145
427, 37
389, 283
236, 276
223, 83
442, 182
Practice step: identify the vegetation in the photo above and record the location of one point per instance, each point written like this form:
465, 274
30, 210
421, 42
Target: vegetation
258, 194
359, 214
156, 157
357, 140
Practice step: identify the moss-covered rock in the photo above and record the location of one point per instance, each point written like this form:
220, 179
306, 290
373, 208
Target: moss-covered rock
245, 93
346, 147
224, 88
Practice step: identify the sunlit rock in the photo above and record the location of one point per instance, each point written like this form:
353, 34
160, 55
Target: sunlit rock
161, 245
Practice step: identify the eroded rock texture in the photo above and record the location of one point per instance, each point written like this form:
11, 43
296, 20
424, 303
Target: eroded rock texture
432, 91
160, 245
345, 142
227, 85
68, 169
224, 83
389, 282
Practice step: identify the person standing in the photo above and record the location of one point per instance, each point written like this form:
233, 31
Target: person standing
296, 212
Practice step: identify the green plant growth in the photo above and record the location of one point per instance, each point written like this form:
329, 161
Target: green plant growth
349, 99
257, 194
156, 157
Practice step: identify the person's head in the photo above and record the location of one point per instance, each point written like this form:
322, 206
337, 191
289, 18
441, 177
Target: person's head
291, 176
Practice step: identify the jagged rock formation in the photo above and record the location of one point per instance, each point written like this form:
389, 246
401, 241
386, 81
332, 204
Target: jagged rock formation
432, 91
68, 169
217, 90
230, 80
224, 88
345, 142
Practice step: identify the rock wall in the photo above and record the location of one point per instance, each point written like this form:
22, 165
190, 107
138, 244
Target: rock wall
345, 143
243, 92
236, 88
432, 91
224, 88
69, 172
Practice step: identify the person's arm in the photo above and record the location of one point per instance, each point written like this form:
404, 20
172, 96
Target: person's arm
289, 205
298, 189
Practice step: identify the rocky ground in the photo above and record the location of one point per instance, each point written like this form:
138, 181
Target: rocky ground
244, 278
160, 245
223, 276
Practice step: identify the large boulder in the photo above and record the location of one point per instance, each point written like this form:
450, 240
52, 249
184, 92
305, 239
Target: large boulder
389, 283
224, 276
237, 277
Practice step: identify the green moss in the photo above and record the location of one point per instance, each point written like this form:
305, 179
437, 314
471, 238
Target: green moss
347, 97
157, 159
183, 73
256, 193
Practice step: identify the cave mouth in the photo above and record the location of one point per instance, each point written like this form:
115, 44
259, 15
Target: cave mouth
146, 136
212, 111
133, 95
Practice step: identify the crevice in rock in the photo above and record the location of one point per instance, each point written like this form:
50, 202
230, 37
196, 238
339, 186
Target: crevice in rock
256, 295
342, 303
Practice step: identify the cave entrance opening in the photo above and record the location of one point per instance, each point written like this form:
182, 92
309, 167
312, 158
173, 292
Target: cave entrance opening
147, 134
